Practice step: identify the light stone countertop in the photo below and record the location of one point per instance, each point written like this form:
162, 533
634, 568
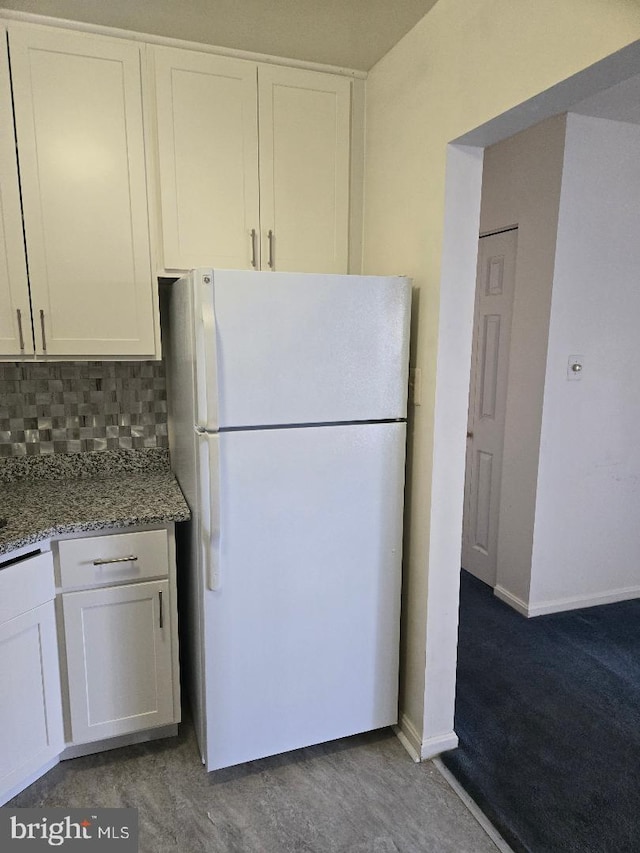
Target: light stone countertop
110, 489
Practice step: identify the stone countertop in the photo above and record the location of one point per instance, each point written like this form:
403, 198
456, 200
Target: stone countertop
127, 489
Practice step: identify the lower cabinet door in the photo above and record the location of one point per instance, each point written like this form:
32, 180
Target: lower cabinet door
118, 645
31, 733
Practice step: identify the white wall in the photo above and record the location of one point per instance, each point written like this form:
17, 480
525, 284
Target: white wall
587, 531
521, 186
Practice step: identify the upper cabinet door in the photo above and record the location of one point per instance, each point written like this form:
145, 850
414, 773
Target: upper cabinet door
15, 317
208, 159
78, 110
304, 169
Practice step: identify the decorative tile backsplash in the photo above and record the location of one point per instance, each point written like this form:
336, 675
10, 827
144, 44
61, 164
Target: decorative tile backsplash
78, 407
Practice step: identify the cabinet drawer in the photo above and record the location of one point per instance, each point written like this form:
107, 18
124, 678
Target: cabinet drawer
26, 584
100, 560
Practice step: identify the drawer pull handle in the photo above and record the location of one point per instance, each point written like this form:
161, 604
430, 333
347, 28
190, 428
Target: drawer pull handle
161, 615
101, 562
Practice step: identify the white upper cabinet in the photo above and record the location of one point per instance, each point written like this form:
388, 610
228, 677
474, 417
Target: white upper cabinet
15, 317
78, 113
208, 159
251, 165
304, 169
233, 197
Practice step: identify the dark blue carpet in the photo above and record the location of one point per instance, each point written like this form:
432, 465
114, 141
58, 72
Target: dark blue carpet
548, 716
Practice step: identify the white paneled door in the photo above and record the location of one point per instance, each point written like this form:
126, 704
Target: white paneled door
487, 402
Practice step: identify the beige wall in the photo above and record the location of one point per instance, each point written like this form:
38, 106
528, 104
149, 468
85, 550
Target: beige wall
462, 65
521, 184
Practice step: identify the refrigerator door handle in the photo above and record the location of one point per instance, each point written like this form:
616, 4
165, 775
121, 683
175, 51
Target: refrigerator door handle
207, 353
210, 503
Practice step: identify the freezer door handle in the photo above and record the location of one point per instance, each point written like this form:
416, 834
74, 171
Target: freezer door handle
210, 504
207, 353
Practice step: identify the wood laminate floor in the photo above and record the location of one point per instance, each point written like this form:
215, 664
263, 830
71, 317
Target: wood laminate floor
358, 795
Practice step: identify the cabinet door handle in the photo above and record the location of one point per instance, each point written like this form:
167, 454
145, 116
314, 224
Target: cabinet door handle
270, 238
44, 337
20, 335
161, 620
103, 562
253, 248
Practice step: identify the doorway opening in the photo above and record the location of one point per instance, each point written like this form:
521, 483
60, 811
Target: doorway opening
544, 593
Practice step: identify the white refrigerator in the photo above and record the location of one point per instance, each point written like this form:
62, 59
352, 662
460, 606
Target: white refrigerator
287, 398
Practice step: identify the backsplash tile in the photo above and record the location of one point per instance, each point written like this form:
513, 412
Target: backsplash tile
80, 407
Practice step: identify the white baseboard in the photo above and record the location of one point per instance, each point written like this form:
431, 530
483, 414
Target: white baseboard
579, 601
512, 600
422, 750
561, 604
408, 736
433, 746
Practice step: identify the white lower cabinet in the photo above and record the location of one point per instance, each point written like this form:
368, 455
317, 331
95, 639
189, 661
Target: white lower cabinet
99, 671
120, 635
31, 732
119, 659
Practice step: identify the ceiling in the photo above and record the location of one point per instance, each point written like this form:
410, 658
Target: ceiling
347, 33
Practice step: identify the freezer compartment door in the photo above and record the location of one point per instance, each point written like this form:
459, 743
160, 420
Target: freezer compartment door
302, 633
299, 349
